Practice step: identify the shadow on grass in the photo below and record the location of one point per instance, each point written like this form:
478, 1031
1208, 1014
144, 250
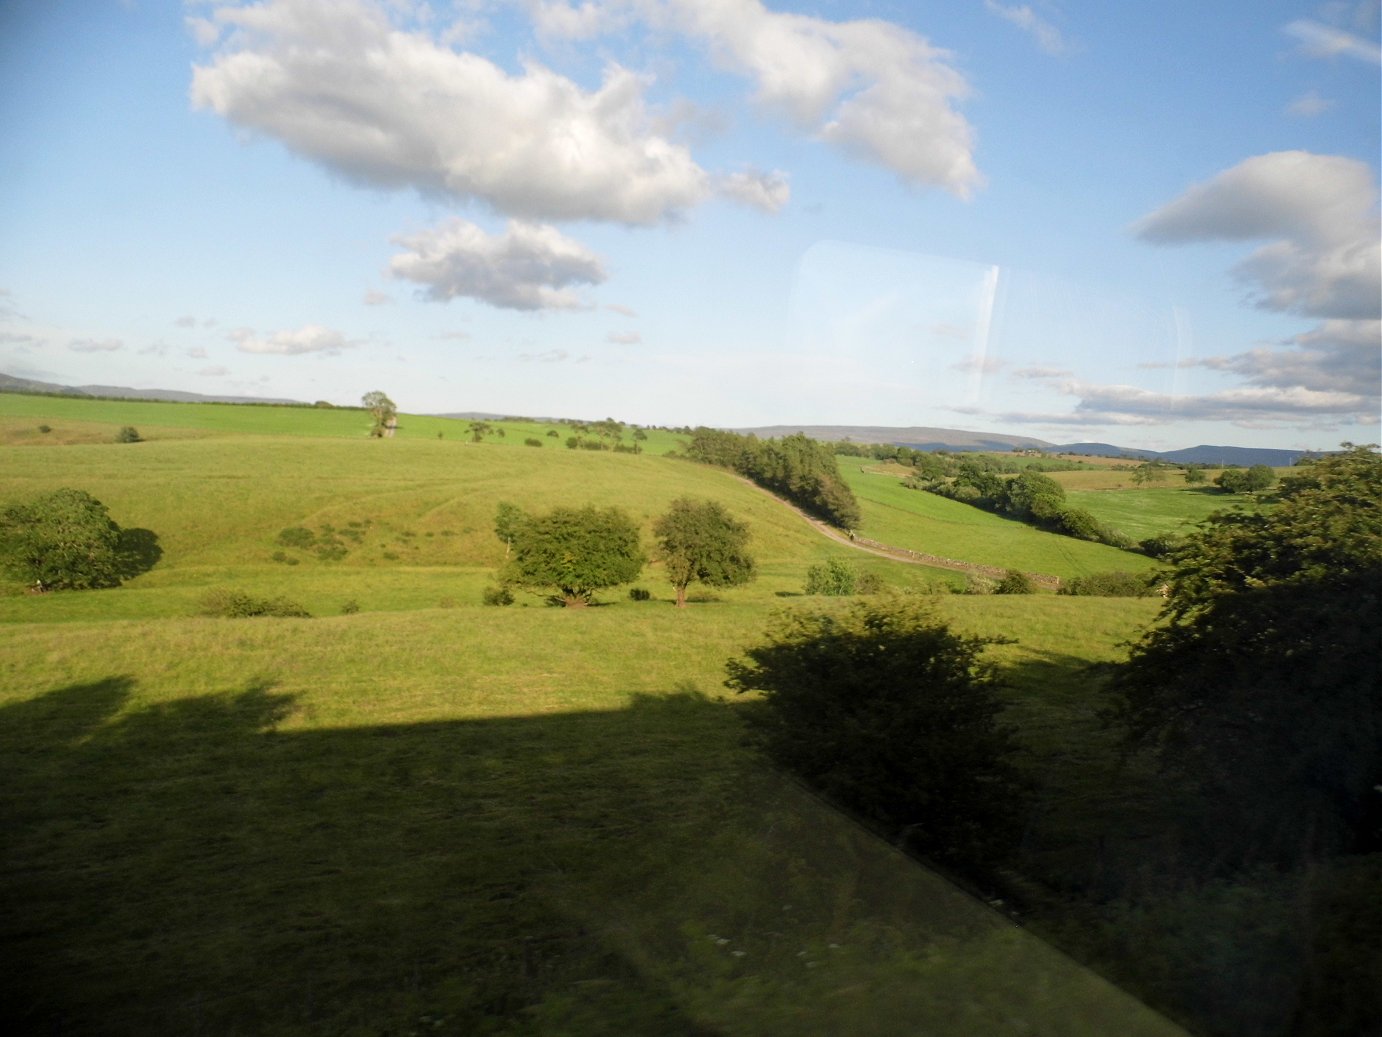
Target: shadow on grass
212, 864
137, 552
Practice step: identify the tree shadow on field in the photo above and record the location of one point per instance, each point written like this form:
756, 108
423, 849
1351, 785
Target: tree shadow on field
212, 864
137, 552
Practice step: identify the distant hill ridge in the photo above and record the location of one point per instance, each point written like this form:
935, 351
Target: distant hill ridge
918, 437
927, 438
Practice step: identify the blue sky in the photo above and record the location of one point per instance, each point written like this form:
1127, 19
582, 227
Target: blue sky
1154, 224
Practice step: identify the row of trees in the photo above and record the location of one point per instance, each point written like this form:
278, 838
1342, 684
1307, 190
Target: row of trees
795, 467
578, 551
1029, 497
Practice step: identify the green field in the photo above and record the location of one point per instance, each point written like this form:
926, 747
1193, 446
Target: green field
431, 816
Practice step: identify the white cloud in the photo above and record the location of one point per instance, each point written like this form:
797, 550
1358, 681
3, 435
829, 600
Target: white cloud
87, 345
1040, 373
197, 353
1047, 36
1324, 41
875, 89
624, 338
310, 338
766, 191
214, 372
528, 267
391, 107
623, 311
454, 336
376, 298
1326, 259
1308, 105
185, 322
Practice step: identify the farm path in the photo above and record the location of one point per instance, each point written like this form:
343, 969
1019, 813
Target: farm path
898, 554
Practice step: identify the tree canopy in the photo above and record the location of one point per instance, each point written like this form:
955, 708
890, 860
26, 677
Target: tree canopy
575, 551
381, 408
1263, 685
64, 540
698, 541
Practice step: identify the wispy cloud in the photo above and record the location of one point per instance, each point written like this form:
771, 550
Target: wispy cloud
1047, 36
310, 338
88, 345
1318, 40
1308, 105
624, 338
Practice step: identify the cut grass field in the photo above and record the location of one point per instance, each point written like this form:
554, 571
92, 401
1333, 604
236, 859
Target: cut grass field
436, 817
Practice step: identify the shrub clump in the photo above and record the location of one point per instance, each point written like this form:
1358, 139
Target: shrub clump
229, 604
832, 579
1015, 582
129, 434
884, 709
640, 594
500, 595
1113, 584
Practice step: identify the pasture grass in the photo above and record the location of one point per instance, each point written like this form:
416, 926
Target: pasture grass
436, 817
500, 821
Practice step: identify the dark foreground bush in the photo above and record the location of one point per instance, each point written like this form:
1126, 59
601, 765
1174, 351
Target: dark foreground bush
1113, 584
497, 596
230, 604
885, 710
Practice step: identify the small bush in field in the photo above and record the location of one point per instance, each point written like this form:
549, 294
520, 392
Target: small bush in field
45, 429
497, 596
128, 434
350, 607
530, 441
1015, 582
640, 594
297, 536
833, 578
868, 583
1113, 584
976, 583
229, 604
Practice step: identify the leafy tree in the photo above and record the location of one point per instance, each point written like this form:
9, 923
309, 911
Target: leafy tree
1033, 496
1194, 474
1246, 480
699, 541
63, 540
577, 551
381, 408
884, 709
1262, 687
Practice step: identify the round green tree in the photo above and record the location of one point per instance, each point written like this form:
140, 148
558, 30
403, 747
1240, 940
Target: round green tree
575, 551
64, 540
699, 542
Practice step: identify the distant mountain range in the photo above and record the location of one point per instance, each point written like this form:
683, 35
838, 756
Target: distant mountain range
9, 383
917, 437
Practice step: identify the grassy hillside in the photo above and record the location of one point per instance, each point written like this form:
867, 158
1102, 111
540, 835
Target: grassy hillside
925, 522
433, 816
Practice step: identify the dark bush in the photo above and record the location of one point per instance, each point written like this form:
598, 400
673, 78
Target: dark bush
885, 710
1015, 582
640, 594
1114, 584
530, 441
497, 596
350, 607
229, 604
128, 434
297, 536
